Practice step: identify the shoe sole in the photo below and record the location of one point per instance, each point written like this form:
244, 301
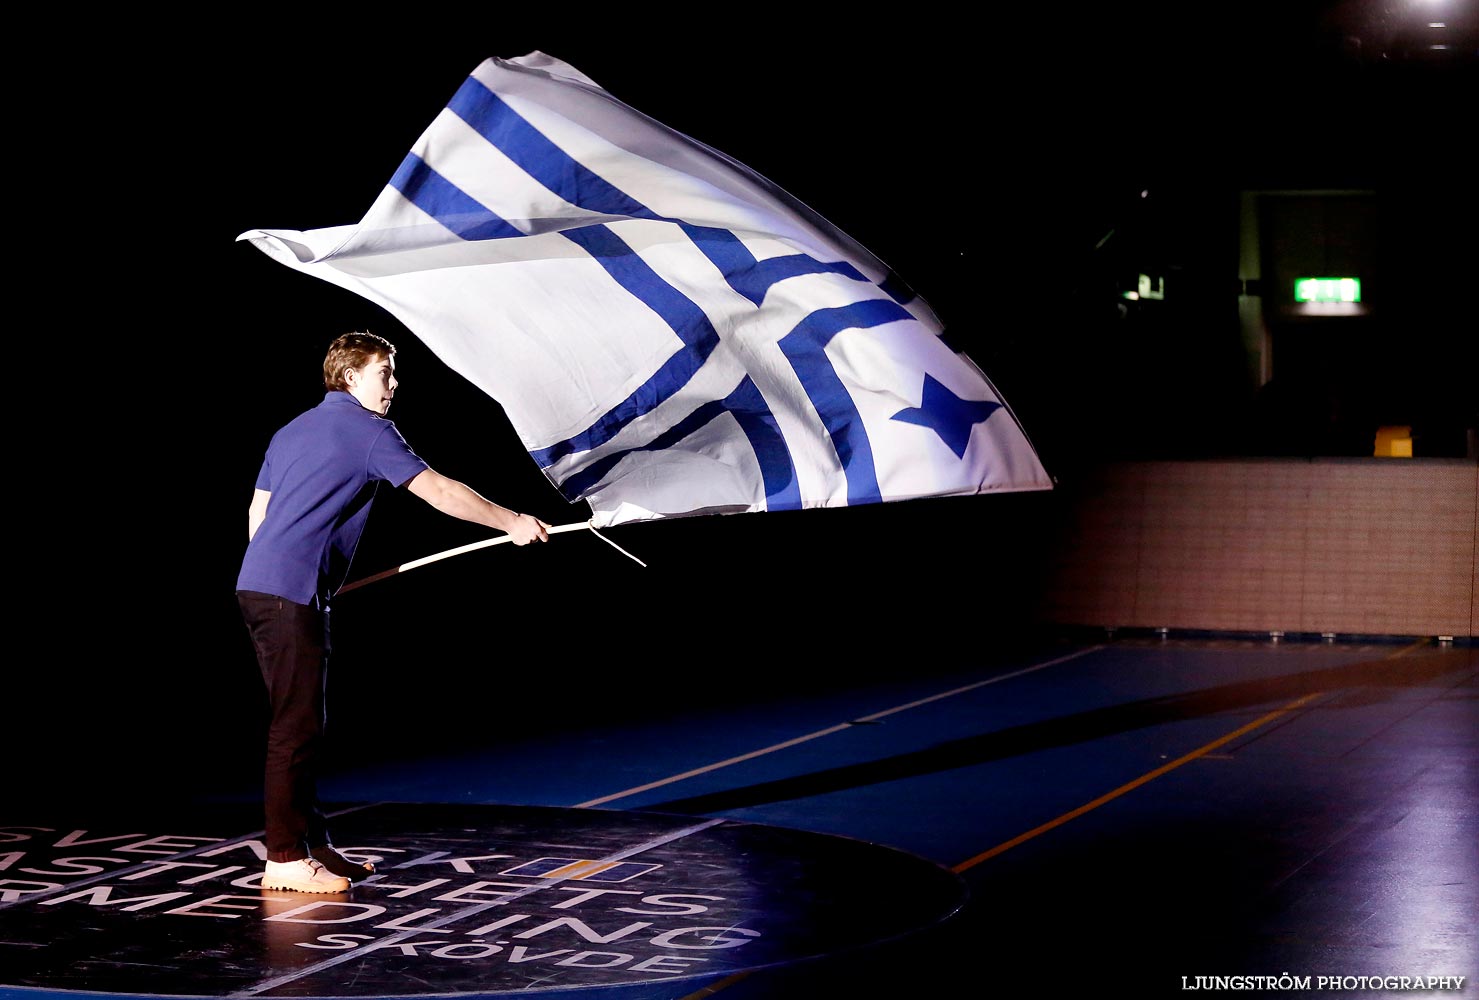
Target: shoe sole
304, 887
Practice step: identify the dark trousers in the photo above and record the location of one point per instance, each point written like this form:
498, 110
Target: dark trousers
292, 645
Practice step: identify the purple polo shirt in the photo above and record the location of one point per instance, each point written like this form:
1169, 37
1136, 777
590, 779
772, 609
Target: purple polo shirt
322, 469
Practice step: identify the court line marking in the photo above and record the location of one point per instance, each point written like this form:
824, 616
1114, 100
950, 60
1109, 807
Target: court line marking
1130, 786
796, 741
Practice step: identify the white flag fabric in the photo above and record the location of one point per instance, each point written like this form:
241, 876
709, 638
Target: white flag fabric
668, 332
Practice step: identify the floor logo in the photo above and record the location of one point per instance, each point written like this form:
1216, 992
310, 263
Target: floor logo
463, 898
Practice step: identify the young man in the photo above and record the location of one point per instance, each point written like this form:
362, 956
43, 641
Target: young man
307, 513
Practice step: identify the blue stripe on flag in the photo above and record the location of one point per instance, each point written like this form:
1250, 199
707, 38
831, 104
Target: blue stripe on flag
752, 278
447, 203
805, 347
685, 318
547, 163
749, 409
782, 490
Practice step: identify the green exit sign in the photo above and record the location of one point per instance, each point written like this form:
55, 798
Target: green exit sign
1327, 289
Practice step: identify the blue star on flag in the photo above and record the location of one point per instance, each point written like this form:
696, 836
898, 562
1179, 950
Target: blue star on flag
945, 413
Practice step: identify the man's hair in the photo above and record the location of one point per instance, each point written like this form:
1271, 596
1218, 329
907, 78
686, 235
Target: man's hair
352, 350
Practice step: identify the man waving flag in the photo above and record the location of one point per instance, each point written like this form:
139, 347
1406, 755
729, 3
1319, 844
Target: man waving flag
668, 332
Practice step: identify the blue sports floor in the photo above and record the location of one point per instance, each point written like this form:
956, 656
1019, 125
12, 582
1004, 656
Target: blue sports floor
1144, 814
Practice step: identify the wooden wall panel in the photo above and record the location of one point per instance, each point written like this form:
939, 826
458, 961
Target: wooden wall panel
1350, 546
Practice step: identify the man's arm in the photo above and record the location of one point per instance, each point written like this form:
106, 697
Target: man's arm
257, 511
460, 500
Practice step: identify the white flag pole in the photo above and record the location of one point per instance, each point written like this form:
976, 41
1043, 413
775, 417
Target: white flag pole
485, 543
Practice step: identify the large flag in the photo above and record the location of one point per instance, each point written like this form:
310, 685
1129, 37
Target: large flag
668, 332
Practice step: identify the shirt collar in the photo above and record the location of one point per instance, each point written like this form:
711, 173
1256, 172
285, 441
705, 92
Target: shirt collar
338, 397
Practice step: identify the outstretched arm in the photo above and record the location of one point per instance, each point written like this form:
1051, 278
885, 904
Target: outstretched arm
460, 500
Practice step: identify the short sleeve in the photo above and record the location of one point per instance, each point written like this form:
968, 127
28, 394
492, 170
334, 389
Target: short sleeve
392, 459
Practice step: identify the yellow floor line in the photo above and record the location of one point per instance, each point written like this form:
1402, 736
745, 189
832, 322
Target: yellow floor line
713, 988
1132, 785
1199, 752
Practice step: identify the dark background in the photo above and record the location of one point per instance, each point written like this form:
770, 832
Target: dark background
984, 158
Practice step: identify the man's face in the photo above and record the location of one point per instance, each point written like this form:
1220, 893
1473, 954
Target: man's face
373, 384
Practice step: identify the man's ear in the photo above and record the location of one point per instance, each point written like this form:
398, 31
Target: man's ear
350, 377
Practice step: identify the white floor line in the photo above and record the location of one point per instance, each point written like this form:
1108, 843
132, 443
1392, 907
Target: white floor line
831, 729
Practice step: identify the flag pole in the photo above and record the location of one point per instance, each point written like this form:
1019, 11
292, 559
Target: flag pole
485, 543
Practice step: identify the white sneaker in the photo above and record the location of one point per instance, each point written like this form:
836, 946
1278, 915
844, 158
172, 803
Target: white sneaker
306, 875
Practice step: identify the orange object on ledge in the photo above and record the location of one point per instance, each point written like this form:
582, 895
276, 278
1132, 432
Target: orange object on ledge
1394, 442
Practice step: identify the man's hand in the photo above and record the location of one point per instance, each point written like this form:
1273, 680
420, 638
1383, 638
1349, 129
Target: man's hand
527, 528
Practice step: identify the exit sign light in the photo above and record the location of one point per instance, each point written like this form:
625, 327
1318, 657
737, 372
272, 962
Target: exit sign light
1327, 289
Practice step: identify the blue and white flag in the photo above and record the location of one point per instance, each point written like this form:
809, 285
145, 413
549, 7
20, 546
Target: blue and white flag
668, 332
